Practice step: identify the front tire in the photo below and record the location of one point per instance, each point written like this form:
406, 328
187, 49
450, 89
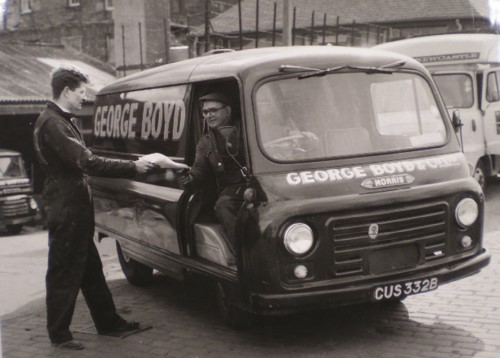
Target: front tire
136, 273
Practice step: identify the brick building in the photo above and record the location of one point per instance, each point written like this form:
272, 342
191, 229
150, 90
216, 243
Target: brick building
127, 34
86, 26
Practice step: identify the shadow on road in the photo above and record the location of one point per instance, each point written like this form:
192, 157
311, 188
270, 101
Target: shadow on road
186, 310
184, 317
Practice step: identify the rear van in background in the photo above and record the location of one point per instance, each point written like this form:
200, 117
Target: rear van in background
357, 189
17, 205
466, 68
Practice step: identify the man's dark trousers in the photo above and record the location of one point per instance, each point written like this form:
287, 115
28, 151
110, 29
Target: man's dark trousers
74, 264
227, 207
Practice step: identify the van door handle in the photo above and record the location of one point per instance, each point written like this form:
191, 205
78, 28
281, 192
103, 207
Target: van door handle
473, 125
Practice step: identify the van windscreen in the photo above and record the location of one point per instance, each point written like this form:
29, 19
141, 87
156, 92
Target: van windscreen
11, 167
346, 114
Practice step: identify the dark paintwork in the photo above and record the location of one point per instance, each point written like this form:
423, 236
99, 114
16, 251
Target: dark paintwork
263, 265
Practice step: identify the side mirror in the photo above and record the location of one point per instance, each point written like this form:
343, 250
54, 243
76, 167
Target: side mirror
231, 137
456, 121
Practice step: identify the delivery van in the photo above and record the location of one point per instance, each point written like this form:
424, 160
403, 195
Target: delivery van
17, 205
375, 203
466, 69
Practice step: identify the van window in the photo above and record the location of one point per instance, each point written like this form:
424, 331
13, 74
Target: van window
346, 114
456, 90
492, 92
11, 167
142, 122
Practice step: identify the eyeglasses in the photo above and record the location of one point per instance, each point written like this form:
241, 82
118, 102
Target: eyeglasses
211, 111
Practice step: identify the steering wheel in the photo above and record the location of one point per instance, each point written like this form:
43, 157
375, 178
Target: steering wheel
290, 138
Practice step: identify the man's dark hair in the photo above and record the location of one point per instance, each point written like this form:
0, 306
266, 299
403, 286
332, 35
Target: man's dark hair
66, 76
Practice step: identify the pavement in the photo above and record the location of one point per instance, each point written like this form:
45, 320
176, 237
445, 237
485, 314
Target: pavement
460, 319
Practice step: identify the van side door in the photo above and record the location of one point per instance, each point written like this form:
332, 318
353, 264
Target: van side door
491, 110
141, 211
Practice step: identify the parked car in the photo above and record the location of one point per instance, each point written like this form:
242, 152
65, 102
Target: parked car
17, 205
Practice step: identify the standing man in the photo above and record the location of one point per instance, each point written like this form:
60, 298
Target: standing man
212, 159
74, 261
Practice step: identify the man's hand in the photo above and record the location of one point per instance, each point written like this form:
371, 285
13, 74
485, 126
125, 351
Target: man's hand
184, 178
143, 166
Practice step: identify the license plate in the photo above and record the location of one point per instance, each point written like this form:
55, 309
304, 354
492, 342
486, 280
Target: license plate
403, 289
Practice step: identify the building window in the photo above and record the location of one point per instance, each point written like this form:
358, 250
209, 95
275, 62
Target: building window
74, 3
110, 48
25, 6
108, 5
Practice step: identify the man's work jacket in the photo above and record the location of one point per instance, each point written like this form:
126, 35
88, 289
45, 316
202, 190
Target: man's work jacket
212, 160
66, 161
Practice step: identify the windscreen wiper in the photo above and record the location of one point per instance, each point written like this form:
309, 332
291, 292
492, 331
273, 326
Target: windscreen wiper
316, 72
389, 68
312, 72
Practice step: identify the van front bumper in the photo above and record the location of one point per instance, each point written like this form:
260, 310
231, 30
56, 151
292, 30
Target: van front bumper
284, 303
18, 209
18, 221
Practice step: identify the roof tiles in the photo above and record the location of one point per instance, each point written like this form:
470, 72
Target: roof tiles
25, 71
368, 11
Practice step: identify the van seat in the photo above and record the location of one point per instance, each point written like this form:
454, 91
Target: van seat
211, 244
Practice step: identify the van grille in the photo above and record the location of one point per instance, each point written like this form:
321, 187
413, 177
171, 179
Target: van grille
14, 208
407, 237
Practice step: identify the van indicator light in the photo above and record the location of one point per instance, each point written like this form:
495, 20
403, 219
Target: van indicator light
300, 271
466, 241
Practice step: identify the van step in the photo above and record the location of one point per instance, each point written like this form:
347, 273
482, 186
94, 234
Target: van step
211, 244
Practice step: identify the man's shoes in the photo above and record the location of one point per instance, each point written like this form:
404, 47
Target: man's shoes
121, 327
70, 345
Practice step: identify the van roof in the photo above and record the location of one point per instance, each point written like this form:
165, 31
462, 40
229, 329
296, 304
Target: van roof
449, 49
259, 62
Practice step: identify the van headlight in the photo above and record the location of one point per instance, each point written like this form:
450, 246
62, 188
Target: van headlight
33, 204
466, 212
298, 239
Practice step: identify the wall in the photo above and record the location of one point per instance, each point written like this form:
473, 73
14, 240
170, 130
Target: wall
87, 28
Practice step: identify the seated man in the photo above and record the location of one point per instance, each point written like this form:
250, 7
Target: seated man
213, 159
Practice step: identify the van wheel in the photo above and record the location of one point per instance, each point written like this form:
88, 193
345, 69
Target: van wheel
136, 273
480, 175
233, 315
14, 229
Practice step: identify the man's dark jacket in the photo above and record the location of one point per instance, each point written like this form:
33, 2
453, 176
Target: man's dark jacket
66, 161
212, 160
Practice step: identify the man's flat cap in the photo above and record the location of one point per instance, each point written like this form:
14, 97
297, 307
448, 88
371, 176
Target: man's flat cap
217, 97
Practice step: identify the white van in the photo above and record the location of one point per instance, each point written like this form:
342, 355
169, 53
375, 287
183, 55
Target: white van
466, 69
